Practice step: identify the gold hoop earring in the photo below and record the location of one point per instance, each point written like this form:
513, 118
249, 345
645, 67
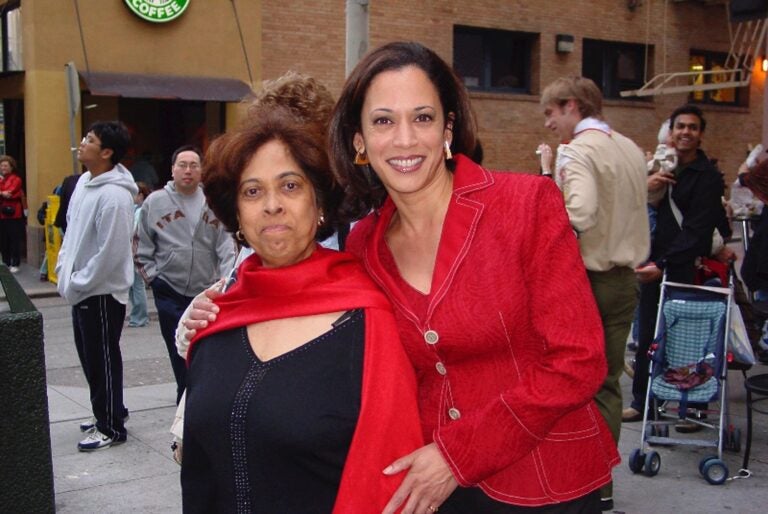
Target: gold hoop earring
361, 159
239, 236
448, 154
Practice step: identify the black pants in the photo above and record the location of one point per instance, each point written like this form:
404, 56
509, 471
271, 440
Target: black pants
11, 238
472, 500
170, 306
98, 323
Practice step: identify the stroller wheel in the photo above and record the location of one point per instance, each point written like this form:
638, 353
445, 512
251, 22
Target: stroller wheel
715, 471
636, 460
704, 460
652, 464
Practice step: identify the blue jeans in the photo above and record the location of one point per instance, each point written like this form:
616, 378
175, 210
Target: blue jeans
138, 296
170, 306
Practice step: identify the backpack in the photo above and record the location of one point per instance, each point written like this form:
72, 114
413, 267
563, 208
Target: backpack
41, 213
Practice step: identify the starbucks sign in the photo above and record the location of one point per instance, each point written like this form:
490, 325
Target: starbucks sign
157, 11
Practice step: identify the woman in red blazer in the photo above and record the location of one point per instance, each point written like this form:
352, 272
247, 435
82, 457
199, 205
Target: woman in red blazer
491, 298
11, 213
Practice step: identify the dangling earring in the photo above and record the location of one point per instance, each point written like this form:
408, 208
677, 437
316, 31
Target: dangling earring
239, 236
448, 154
360, 158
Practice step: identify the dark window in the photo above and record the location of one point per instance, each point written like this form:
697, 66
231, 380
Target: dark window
615, 67
10, 26
701, 60
493, 60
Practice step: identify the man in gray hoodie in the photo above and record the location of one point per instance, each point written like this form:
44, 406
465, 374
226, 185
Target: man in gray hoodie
95, 272
180, 248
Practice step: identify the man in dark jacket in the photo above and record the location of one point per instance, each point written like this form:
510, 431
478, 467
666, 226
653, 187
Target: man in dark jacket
67, 188
694, 189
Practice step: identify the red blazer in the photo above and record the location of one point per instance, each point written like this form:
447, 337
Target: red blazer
11, 183
506, 390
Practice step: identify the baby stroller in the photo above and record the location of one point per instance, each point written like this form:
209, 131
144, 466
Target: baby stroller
688, 364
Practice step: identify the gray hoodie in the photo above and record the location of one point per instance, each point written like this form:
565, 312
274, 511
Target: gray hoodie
95, 257
164, 247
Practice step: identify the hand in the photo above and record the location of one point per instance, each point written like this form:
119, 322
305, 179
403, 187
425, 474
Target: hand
648, 273
545, 158
203, 311
659, 181
428, 482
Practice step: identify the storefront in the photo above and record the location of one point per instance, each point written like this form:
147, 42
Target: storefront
174, 71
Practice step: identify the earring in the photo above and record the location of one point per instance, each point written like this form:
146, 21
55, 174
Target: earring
239, 236
448, 154
360, 158
321, 220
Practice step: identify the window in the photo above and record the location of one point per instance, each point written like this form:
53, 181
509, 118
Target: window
615, 67
701, 60
10, 27
493, 60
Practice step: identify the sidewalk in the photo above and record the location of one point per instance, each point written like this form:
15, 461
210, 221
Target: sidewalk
141, 477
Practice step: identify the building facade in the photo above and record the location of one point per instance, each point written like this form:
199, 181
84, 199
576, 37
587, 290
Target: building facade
172, 83
506, 53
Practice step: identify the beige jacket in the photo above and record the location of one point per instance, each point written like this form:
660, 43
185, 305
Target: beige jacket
603, 178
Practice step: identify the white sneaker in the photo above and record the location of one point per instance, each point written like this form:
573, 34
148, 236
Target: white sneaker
98, 441
14, 269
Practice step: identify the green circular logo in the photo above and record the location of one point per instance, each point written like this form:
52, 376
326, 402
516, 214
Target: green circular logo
157, 11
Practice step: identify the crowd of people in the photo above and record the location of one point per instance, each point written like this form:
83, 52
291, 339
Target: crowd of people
422, 368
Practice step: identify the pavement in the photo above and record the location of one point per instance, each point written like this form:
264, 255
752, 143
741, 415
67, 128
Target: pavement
141, 476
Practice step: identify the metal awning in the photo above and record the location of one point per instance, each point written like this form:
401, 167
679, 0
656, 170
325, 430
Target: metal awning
128, 85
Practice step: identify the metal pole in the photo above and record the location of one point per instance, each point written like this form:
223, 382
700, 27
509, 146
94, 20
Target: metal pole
357, 32
73, 103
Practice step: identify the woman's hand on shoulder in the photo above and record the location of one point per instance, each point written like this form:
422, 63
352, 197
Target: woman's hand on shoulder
427, 485
203, 310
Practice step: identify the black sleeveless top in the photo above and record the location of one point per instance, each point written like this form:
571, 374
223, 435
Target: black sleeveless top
271, 436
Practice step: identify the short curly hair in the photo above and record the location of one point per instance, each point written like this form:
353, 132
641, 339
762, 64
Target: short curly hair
229, 154
294, 109
306, 98
11, 162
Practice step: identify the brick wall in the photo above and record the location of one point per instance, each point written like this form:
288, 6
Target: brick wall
311, 39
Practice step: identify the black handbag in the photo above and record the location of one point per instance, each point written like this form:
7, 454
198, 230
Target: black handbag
8, 210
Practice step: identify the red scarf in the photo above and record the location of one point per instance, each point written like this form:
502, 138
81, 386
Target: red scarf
388, 426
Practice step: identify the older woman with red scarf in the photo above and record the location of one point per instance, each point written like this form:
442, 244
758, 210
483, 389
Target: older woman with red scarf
301, 393
11, 213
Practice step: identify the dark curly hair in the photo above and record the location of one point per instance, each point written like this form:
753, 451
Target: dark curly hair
229, 154
364, 190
